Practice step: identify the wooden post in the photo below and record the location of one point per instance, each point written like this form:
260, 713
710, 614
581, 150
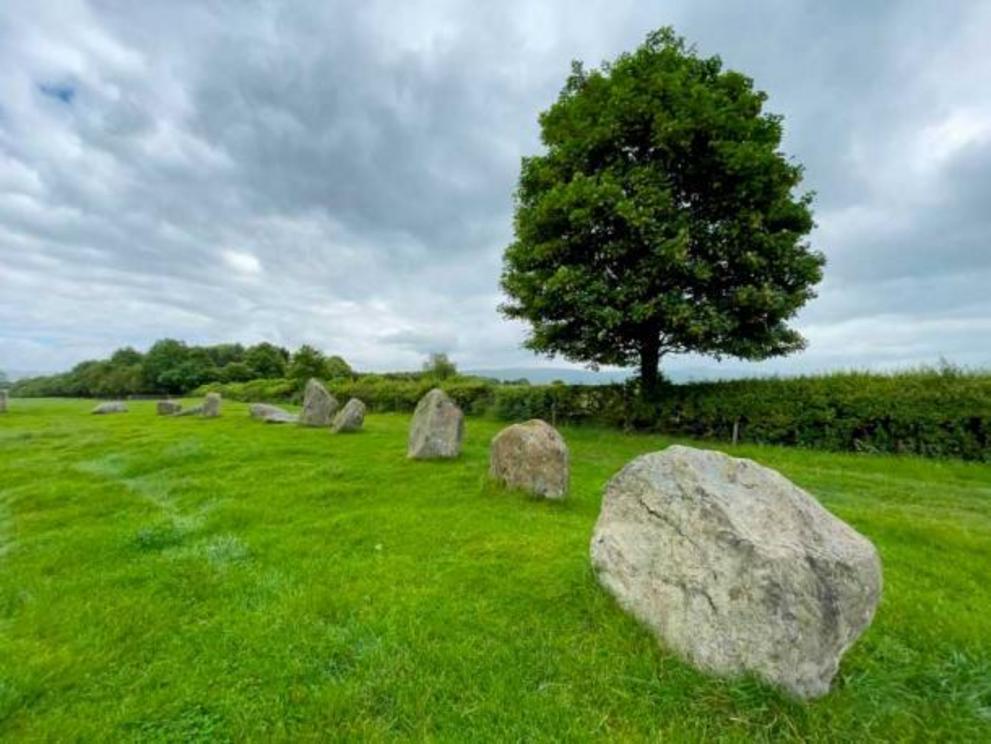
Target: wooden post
736, 431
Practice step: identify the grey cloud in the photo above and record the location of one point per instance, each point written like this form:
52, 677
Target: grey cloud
341, 174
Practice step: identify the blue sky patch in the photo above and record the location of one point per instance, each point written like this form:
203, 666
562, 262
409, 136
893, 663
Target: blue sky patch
62, 91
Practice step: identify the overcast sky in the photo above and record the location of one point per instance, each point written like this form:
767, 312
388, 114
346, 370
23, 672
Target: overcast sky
341, 173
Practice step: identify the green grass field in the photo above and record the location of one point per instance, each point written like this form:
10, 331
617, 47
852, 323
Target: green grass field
190, 579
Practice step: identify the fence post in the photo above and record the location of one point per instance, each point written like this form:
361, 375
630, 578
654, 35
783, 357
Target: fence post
736, 430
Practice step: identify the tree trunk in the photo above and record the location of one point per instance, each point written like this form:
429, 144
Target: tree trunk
650, 357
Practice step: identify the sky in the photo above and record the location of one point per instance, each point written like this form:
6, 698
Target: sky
341, 173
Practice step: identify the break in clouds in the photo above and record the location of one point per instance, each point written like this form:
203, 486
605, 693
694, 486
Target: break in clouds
341, 174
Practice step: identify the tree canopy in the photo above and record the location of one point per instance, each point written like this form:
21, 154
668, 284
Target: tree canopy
266, 360
439, 365
662, 217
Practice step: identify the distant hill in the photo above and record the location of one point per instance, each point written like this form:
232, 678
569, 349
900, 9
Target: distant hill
543, 375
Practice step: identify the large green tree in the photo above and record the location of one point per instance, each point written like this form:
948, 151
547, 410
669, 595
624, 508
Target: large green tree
662, 218
306, 362
266, 360
439, 365
160, 361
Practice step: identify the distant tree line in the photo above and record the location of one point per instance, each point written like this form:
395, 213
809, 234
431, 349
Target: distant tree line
174, 367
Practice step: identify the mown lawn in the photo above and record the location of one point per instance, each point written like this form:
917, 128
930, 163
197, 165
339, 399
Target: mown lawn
187, 579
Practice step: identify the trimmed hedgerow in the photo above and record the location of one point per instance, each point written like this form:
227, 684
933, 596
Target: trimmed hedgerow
254, 391
935, 413
931, 413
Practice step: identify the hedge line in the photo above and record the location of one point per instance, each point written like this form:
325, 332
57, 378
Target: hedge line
935, 413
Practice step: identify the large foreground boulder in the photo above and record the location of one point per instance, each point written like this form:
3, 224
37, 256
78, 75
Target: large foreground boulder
531, 456
271, 414
168, 407
319, 406
350, 418
115, 406
735, 568
437, 428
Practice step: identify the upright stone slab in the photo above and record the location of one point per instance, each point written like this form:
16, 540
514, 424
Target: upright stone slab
437, 428
531, 456
319, 406
115, 406
271, 414
350, 418
735, 568
211, 405
168, 407
3, 401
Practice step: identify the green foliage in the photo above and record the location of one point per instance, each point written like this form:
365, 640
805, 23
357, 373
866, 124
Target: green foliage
235, 372
266, 360
942, 412
935, 413
160, 363
938, 413
439, 366
336, 368
306, 363
662, 217
223, 354
126, 357
253, 391
177, 580
194, 369
172, 367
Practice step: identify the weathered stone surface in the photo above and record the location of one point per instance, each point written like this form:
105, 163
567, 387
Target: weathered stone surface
115, 406
271, 414
735, 568
319, 406
437, 428
3, 401
531, 456
350, 418
168, 407
209, 408
211, 405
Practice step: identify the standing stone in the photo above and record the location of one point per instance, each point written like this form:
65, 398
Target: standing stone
531, 456
735, 568
350, 418
211, 405
319, 406
116, 406
168, 407
209, 408
271, 414
3, 401
437, 428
